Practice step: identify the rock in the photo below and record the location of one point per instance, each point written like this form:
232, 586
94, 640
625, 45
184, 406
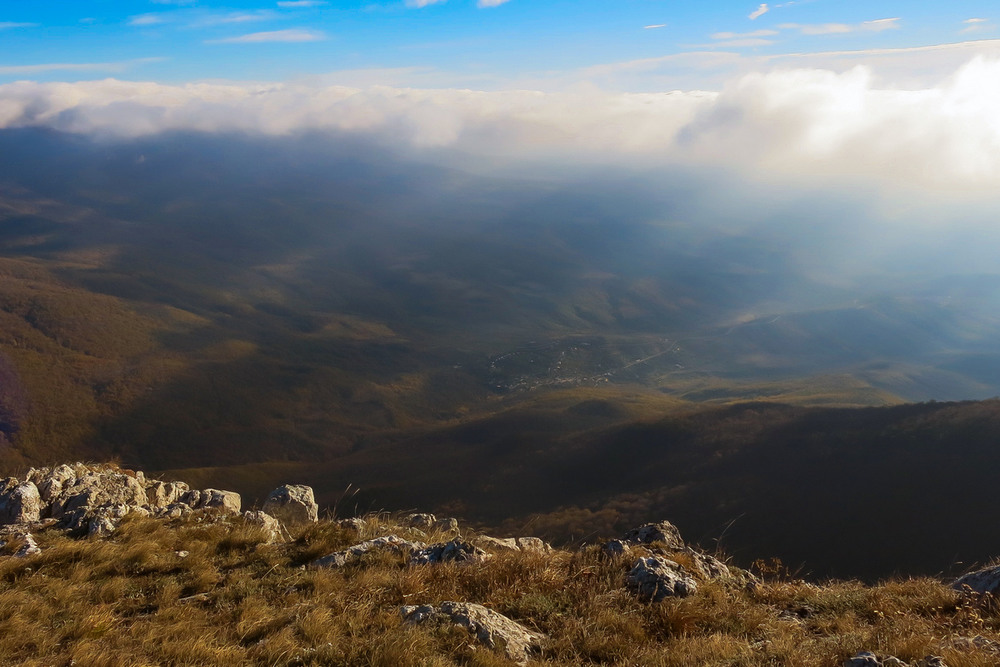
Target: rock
454, 551
19, 502
863, 659
654, 578
50, 482
356, 524
533, 544
98, 488
708, 567
518, 544
192, 499
614, 549
163, 494
354, 553
931, 661
663, 531
869, 659
977, 643
496, 543
447, 525
492, 629
982, 581
227, 501
29, 548
266, 522
101, 524
422, 521
292, 505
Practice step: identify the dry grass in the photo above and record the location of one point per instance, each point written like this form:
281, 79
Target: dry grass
138, 599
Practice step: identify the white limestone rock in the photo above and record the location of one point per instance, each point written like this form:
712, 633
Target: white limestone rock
352, 554
655, 578
292, 505
492, 629
19, 502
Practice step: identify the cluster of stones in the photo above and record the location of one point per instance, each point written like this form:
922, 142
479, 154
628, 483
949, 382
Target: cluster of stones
655, 574
93, 500
869, 659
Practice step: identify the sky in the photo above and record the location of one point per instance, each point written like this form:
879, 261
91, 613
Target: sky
898, 97
483, 44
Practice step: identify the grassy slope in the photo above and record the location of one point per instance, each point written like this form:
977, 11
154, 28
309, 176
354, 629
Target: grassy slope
199, 592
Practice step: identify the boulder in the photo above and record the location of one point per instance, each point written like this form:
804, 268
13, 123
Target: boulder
163, 494
351, 554
869, 659
19, 502
228, 502
863, 659
356, 524
533, 544
496, 544
28, 548
444, 552
447, 525
615, 549
663, 532
655, 578
263, 520
986, 580
707, 567
492, 629
292, 505
98, 488
51, 481
420, 520
500, 544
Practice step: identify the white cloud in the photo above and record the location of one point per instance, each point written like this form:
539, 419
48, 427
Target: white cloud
739, 43
7, 25
784, 125
288, 4
491, 3
234, 18
877, 25
760, 11
744, 35
290, 35
654, 26
146, 19
42, 68
977, 25
422, 3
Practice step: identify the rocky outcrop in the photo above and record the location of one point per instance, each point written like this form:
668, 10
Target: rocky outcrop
663, 532
20, 502
655, 578
271, 526
292, 505
92, 500
492, 629
446, 552
511, 544
986, 580
355, 553
869, 659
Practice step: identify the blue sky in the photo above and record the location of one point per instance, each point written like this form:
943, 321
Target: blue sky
512, 43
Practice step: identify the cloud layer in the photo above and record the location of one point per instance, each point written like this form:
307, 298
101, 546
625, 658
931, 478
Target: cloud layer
802, 123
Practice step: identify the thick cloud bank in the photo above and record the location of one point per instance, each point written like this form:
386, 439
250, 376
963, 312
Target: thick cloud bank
800, 122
